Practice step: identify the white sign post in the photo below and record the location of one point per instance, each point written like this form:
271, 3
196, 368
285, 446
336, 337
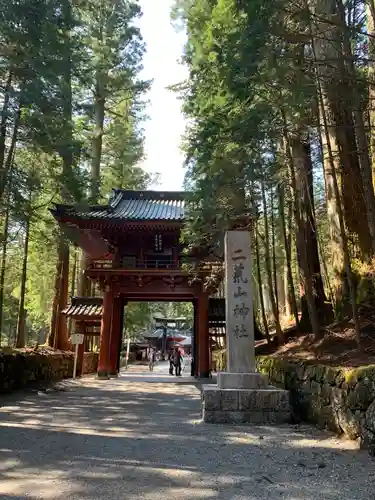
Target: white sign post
76, 339
127, 353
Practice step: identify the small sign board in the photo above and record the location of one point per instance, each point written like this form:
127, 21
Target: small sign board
77, 338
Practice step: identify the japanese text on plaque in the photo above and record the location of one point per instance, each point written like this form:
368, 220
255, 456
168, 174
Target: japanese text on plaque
240, 310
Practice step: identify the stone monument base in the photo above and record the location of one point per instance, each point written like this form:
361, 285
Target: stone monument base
244, 398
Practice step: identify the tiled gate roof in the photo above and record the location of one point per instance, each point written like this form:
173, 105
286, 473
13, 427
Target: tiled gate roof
133, 206
84, 307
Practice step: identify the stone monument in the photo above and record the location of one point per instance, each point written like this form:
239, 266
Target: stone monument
242, 395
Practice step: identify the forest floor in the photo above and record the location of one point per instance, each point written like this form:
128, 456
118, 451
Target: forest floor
337, 347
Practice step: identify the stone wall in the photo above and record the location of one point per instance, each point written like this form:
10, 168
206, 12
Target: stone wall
19, 369
339, 399
90, 362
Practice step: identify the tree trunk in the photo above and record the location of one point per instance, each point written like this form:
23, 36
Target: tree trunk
84, 286
20, 341
326, 35
59, 333
336, 245
56, 298
288, 257
370, 21
340, 212
61, 339
4, 119
97, 140
306, 238
344, 239
274, 263
5, 169
275, 313
96, 156
302, 241
260, 287
3, 267
363, 144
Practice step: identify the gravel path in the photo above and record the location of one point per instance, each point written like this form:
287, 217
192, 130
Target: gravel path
140, 438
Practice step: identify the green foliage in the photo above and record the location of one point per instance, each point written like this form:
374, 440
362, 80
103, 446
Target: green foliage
139, 315
251, 92
52, 52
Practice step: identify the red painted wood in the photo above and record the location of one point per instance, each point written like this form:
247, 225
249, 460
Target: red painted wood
105, 335
115, 336
136, 238
62, 337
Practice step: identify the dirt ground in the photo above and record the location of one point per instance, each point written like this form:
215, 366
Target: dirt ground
141, 437
337, 347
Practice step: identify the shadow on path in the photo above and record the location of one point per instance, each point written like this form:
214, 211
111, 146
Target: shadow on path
131, 439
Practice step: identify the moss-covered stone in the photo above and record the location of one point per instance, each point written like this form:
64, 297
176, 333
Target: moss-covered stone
360, 397
369, 428
19, 369
341, 399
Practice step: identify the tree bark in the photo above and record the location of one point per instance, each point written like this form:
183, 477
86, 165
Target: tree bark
363, 144
370, 22
326, 35
4, 119
344, 239
97, 140
340, 213
274, 262
279, 333
260, 288
301, 245
56, 298
3, 267
288, 257
59, 334
5, 168
306, 238
61, 339
84, 286
96, 156
20, 339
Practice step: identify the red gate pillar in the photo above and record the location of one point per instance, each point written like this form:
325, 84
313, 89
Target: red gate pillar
105, 334
61, 332
115, 337
203, 347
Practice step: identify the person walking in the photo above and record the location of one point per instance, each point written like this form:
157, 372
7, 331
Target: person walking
171, 362
151, 357
178, 361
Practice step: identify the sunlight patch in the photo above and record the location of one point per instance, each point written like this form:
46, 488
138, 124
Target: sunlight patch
180, 493
329, 443
9, 463
70, 429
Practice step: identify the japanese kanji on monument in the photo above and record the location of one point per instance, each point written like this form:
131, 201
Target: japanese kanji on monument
239, 303
242, 394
